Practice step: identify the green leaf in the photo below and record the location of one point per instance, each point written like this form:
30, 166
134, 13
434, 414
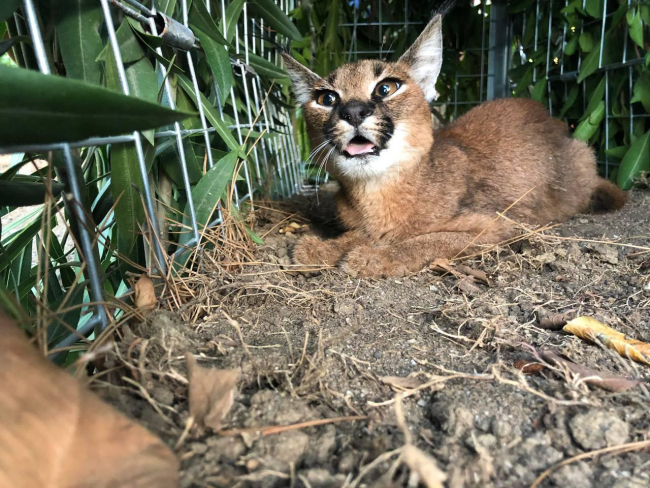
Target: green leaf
589, 64
276, 19
150, 39
201, 19
589, 126
586, 41
264, 67
22, 193
208, 192
596, 98
39, 109
539, 91
78, 34
14, 245
6, 45
642, 91
211, 114
618, 152
594, 8
167, 6
7, 8
570, 100
232, 17
219, 62
635, 161
635, 26
130, 47
125, 178
571, 46
333, 21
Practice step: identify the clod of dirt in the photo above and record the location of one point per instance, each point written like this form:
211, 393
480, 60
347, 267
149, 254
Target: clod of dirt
576, 475
282, 450
537, 454
321, 478
598, 429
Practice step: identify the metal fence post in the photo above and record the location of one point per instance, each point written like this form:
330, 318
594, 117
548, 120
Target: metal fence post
499, 51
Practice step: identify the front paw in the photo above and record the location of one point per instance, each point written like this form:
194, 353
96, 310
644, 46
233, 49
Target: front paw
311, 250
372, 262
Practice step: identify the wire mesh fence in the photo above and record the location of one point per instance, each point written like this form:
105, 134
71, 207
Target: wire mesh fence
245, 115
586, 60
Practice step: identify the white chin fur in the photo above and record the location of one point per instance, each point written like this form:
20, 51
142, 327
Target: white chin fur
371, 167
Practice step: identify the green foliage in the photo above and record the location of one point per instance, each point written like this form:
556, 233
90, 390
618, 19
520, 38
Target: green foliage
84, 98
597, 82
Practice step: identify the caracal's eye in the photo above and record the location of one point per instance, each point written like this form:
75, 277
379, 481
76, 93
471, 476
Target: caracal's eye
387, 87
327, 98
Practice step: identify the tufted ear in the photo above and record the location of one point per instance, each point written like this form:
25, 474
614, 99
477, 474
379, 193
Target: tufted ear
424, 58
302, 78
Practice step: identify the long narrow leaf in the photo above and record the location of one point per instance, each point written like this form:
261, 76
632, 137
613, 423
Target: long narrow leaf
277, 19
78, 35
37, 109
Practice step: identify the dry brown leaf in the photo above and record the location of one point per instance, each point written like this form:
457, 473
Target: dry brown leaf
477, 274
424, 465
592, 330
555, 321
440, 265
401, 383
58, 434
212, 392
528, 367
591, 376
467, 285
145, 295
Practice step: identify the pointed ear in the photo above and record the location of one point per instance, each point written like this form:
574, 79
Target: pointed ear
424, 58
302, 78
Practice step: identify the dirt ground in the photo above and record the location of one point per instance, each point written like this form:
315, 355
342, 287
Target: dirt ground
321, 346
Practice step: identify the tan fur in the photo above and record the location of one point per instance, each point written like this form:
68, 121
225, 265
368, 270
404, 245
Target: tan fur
443, 195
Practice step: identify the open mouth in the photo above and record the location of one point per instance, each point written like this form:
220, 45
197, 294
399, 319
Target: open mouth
359, 146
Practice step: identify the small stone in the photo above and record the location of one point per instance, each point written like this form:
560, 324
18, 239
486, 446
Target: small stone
162, 395
199, 448
583, 221
576, 475
482, 422
348, 462
598, 429
501, 429
321, 478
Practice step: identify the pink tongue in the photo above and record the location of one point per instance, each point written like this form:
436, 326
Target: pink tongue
355, 149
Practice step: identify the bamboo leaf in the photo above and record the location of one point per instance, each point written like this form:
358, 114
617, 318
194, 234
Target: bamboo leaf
265, 68
219, 62
200, 18
38, 109
211, 114
594, 8
6, 45
125, 182
22, 193
589, 126
277, 19
636, 160
209, 190
78, 34
589, 64
232, 17
571, 46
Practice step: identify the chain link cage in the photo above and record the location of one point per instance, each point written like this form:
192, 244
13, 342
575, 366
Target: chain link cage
273, 167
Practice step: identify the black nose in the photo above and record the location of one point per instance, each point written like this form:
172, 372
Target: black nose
355, 112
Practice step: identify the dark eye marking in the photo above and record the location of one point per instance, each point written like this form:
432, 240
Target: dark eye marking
386, 87
327, 98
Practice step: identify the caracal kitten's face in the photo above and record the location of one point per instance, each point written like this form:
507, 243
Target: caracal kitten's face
369, 117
